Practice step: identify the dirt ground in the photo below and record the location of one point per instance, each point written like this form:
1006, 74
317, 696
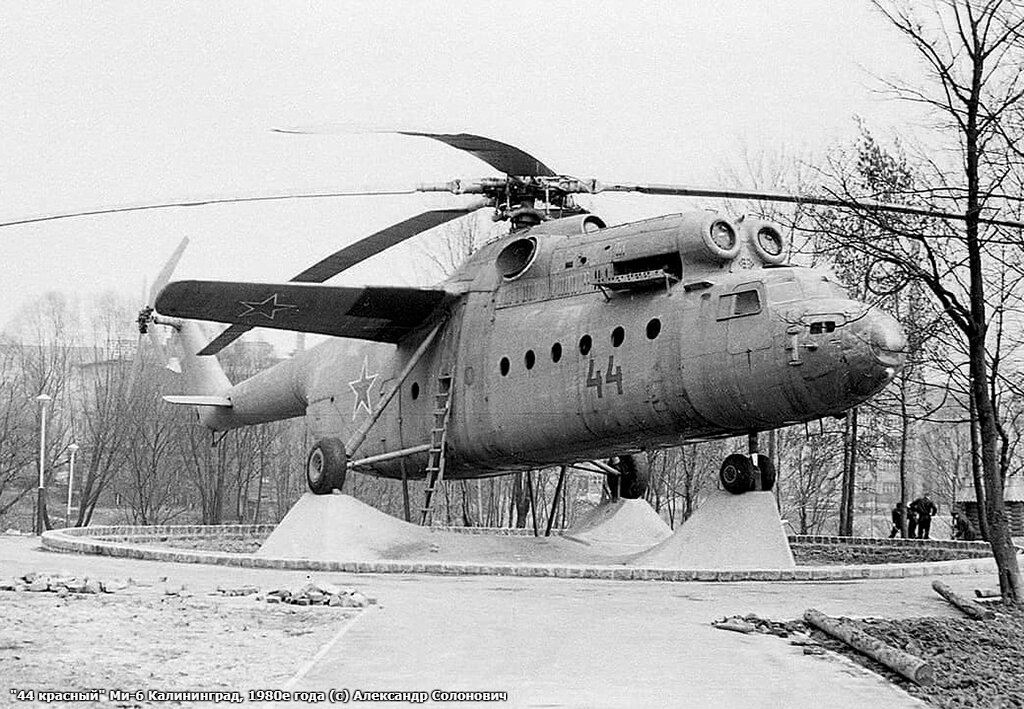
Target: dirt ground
142, 638
977, 664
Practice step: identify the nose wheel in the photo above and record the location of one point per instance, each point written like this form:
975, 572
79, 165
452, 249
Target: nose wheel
737, 473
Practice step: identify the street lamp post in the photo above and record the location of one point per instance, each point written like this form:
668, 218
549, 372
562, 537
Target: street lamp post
43, 400
73, 448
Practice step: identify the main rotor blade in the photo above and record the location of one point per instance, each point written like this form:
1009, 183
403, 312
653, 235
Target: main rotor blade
864, 204
380, 241
501, 156
198, 203
351, 255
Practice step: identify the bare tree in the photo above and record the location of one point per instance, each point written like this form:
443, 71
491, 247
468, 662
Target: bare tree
809, 489
974, 88
47, 330
17, 430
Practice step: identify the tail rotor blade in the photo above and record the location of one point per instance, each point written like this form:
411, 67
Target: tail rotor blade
156, 337
165, 273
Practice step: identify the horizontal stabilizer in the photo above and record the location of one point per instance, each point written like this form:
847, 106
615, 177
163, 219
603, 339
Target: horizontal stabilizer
199, 400
377, 313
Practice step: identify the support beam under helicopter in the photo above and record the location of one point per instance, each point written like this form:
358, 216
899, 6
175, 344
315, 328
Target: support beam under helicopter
404, 452
752, 449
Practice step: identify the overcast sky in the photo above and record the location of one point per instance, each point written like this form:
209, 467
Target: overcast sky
122, 102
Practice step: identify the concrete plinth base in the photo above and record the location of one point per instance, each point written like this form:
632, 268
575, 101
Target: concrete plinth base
341, 527
631, 524
727, 532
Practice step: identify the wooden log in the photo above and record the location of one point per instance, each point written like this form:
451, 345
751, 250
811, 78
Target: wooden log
965, 604
913, 668
988, 593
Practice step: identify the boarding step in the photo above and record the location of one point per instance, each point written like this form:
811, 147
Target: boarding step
438, 436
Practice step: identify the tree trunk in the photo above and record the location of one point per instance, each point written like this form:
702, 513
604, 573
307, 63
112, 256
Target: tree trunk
903, 467
976, 474
847, 503
844, 487
520, 500
913, 668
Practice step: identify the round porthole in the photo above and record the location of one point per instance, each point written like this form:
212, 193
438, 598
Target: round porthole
530, 359
653, 328
503, 366
585, 345
618, 335
415, 391
556, 352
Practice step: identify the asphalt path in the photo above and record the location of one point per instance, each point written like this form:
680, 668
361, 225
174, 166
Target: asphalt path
566, 643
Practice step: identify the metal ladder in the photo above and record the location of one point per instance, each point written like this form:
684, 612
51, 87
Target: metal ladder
438, 437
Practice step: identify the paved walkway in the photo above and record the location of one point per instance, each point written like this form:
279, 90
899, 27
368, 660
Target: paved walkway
569, 643
609, 644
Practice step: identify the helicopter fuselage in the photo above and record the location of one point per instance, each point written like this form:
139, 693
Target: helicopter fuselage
571, 342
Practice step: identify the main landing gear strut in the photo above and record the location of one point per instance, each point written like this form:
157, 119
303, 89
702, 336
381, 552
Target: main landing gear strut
629, 484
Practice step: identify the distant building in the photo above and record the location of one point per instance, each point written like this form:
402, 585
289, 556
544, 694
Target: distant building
1013, 494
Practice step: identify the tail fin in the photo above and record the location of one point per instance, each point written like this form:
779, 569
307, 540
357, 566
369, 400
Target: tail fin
203, 373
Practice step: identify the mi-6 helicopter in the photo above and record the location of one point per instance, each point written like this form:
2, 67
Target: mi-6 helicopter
563, 341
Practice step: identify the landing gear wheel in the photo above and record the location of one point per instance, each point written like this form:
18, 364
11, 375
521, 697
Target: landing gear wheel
326, 466
737, 474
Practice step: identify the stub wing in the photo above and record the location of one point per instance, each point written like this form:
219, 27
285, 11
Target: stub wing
377, 313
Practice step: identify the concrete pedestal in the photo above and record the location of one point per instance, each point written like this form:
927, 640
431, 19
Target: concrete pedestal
727, 532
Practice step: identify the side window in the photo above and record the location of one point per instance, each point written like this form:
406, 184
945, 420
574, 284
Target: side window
739, 303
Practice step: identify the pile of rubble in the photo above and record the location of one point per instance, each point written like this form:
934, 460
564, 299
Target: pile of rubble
320, 593
310, 593
63, 584
796, 631
752, 623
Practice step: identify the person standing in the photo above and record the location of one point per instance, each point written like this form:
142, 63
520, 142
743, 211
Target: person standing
925, 509
897, 519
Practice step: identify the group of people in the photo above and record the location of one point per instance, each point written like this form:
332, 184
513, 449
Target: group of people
919, 515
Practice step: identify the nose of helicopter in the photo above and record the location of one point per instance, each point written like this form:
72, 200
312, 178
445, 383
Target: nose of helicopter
884, 354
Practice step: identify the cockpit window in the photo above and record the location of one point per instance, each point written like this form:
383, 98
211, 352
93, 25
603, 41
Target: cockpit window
738, 304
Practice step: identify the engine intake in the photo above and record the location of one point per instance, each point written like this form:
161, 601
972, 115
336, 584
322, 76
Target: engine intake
708, 237
766, 241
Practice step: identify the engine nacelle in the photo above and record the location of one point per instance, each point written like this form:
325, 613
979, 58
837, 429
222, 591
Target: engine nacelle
707, 237
766, 241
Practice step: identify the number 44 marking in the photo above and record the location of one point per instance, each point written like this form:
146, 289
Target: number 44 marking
594, 377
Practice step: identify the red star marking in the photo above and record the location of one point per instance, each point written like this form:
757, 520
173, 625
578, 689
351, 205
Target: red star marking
361, 388
267, 308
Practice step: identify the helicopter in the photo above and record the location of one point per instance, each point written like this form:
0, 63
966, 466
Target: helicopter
564, 341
